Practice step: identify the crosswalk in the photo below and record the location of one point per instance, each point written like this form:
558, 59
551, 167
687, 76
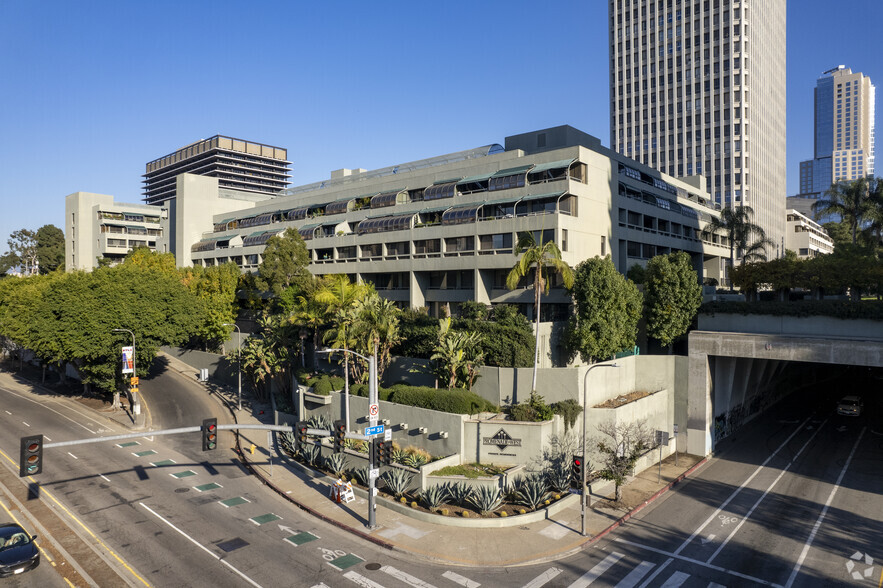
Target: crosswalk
615, 570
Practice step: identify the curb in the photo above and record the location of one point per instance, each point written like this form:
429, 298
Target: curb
643, 505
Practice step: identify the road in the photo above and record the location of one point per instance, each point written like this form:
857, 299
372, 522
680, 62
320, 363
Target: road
789, 502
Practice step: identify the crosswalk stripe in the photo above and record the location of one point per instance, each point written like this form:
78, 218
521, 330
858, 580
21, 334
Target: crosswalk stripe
361, 580
462, 581
675, 580
636, 575
596, 571
544, 578
715, 585
405, 577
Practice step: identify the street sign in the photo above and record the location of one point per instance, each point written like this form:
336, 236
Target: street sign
375, 473
661, 437
373, 410
133, 381
676, 428
387, 435
375, 430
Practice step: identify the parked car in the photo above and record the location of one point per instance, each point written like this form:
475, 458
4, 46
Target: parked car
850, 406
18, 552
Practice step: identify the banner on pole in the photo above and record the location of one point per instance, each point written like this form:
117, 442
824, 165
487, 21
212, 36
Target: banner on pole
128, 360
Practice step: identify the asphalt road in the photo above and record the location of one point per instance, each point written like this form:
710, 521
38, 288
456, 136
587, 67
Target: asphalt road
789, 502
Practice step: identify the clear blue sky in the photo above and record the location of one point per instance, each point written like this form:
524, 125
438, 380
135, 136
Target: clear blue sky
91, 91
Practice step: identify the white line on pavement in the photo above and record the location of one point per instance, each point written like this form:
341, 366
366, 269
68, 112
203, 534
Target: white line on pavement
741, 487
675, 580
405, 577
105, 477
818, 524
25, 424
360, 580
593, 574
7, 412
200, 545
72, 455
47, 438
657, 572
544, 578
43, 405
636, 574
462, 581
692, 561
762, 496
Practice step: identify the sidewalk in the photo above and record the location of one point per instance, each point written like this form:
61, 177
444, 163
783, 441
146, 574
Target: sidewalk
523, 543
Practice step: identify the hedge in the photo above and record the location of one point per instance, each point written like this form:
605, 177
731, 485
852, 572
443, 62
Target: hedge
503, 345
451, 401
841, 309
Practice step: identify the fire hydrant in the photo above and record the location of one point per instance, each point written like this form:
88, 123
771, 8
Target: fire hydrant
252, 448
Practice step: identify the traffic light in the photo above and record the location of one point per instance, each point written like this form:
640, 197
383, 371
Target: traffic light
384, 452
576, 469
375, 453
300, 434
339, 435
31, 456
209, 434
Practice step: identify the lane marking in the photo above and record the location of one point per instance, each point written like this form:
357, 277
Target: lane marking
462, 581
596, 572
762, 496
15, 518
62, 415
265, 518
824, 512
236, 501
72, 455
105, 477
43, 490
200, 545
359, 580
544, 578
675, 580
636, 575
405, 577
7, 412
25, 424
741, 487
657, 572
47, 438
164, 462
697, 562
207, 487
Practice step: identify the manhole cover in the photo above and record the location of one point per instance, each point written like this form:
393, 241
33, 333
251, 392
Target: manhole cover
233, 544
372, 566
182, 490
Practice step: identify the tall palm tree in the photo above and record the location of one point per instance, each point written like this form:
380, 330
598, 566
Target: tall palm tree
339, 295
376, 328
850, 200
874, 215
543, 260
744, 236
311, 315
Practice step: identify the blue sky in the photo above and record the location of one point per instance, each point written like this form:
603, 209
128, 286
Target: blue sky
91, 91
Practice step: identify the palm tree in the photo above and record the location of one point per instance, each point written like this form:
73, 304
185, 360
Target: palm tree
743, 234
850, 200
874, 214
312, 315
375, 328
339, 295
545, 259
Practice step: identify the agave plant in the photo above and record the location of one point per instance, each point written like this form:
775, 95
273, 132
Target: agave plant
459, 492
310, 453
287, 441
397, 480
319, 421
398, 455
558, 476
415, 460
532, 491
356, 445
336, 464
361, 475
486, 498
434, 496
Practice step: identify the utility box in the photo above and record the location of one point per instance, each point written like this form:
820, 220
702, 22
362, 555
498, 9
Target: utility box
203, 375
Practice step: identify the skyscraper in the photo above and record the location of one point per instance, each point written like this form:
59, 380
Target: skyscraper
843, 146
698, 88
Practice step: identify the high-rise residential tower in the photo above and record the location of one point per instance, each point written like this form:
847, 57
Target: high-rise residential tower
843, 146
697, 87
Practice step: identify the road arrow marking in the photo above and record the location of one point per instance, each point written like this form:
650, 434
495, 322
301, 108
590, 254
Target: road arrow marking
709, 540
841, 428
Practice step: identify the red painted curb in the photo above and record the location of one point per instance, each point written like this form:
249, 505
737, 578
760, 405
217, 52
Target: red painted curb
640, 507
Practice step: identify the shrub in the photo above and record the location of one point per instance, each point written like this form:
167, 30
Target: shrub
486, 498
532, 491
470, 309
568, 409
535, 410
337, 382
323, 386
396, 480
459, 492
359, 390
433, 496
356, 445
450, 401
336, 464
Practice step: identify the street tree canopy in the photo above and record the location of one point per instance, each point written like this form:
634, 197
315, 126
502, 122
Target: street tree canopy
672, 296
608, 307
50, 248
285, 263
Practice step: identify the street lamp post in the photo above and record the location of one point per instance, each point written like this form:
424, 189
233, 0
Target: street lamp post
372, 399
238, 361
136, 406
584, 496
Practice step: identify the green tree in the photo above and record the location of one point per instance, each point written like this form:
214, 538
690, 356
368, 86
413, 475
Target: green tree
312, 315
543, 260
376, 329
848, 199
672, 296
215, 288
608, 308
145, 258
50, 248
620, 446
22, 251
284, 264
456, 354
340, 295
743, 235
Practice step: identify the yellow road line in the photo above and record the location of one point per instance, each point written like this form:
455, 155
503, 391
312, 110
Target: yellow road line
69, 582
14, 518
79, 522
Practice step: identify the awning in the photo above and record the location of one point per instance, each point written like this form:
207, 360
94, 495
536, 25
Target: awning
472, 179
542, 196
564, 163
512, 171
